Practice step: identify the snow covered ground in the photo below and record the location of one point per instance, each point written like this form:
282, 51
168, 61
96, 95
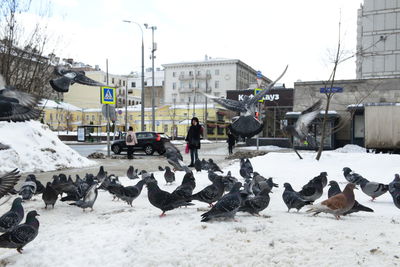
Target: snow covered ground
34, 147
115, 234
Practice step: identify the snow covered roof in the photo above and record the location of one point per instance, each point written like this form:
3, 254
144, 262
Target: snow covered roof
47, 103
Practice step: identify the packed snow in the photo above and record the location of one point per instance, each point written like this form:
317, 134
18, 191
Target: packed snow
115, 234
34, 147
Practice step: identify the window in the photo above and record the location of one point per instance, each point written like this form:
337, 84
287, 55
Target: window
182, 73
165, 128
133, 84
181, 85
123, 83
189, 99
174, 74
190, 73
173, 86
145, 83
105, 79
100, 117
198, 73
93, 118
217, 72
220, 130
130, 117
216, 84
119, 82
210, 130
51, 116
190, 85
112, 80
87, 117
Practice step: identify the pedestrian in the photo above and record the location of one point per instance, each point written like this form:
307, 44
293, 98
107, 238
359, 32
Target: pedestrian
130, 141
231, 142
193, 139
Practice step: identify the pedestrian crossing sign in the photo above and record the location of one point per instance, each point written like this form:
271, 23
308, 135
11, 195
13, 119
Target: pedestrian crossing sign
107, 95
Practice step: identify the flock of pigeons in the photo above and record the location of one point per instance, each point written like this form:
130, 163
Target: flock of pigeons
225, 195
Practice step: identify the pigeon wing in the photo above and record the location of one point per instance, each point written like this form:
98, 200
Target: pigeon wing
82, 79
304, 120
8, 181
24, 99
230, 104
260, 95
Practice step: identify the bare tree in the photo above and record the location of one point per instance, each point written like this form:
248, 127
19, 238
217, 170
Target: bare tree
172, 115
22, 61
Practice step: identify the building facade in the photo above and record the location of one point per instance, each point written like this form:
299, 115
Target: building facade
186, 80
134, 83
378, 39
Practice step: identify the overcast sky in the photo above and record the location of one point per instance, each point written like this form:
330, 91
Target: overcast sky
264, 34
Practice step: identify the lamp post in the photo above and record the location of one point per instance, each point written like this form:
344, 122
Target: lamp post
142, 95
153, 49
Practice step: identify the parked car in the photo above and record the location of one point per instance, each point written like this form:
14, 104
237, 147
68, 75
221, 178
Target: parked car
147, 142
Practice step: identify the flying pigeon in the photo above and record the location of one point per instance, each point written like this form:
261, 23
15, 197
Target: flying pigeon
394, 190
210, 193
21, 234
335, 189
292, 199
169, 175
13, 217
89, 199
227, 206
174, 157
299, 130
49, 195
8, 181
17, 105
164, 200
69, 77
246, 125
256, 204
337, 204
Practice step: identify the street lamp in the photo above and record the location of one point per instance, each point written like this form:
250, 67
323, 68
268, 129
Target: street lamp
153, 49
142, 100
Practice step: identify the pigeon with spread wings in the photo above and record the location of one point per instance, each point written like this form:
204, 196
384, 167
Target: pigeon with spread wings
69, 77
246, 125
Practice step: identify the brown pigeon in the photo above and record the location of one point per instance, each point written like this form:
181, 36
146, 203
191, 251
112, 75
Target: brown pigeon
337, 204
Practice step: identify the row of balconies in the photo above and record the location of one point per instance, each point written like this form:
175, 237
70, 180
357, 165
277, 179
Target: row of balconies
190, 76
191, 90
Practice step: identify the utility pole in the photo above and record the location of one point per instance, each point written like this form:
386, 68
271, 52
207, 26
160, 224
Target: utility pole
194, 94
205, 109
108, 118
153, 49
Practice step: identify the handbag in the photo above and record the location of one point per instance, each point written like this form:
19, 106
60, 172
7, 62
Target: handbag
187, 148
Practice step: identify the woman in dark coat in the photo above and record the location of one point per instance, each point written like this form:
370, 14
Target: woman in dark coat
193, 140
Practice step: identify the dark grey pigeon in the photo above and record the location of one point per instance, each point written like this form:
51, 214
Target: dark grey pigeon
246, 125
256, 204
335, 189
161, 169
8, 181
4, 147
89, 199
312, 190
227, 206
229, 181
13, 217
351, 176
69, 77
212, 175
323, 177
101, 175
21, 234
169, 176
213, 166
210, 193
50, 195
185, 190
300, 129
130, 193
248, 165
164, 200
132, 173
39, 186
292, 199
204, 165
197, 165
394, 190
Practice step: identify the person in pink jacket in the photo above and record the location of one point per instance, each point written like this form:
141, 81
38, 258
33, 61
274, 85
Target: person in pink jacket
130, 141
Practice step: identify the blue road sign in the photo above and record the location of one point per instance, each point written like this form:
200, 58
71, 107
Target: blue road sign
331, 90
108, 95
259, 75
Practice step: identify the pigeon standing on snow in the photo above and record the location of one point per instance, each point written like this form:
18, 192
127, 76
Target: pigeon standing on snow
335, 189
21, 234
312, 190
69, 77
28, 189
185, 190
101, 175
13, 217
394, 190
50, 195
213, 166
292, 199
8, 181
227, 206
246, 125
337, 204
39, 186
130, 193
210, 193
131, 173
300, 128
256, 204
89, 199
169, 175
373, 189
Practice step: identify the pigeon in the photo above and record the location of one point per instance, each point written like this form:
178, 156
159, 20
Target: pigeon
227, 206
292, 199
351, 176
323, 178
161, 169
69, 77
212, 175
13, 217
174, 157
49, 195
373, 189
39, 186
17, 105
89, 199
210, 193
130, 193
169, 175
213, 166
204, 165
256, 204
101, 175
132, 173
246, 169
185, 190
248, 165
164, 200
312, 190
259, 183
28, 189
197, 165
8, 181
299, 129
246, 125
335, 189
337, 204
394, 190
21, 234
4, 147
229, 181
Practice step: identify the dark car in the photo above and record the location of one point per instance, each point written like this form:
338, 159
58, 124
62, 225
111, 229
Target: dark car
147, 142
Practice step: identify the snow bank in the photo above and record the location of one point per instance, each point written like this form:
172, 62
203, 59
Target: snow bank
34, 147
351, 149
